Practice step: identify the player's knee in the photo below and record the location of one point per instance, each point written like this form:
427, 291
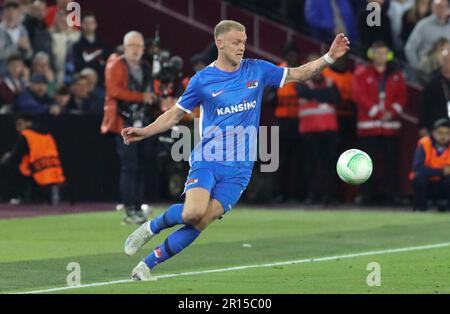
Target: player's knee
192, 216
205, 221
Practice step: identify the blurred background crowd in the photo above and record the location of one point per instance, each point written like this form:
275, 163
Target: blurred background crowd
50, 69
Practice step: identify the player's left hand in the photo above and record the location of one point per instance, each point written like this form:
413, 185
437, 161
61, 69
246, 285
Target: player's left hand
339, 47
131, 135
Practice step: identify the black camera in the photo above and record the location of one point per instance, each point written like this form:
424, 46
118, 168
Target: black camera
168, 72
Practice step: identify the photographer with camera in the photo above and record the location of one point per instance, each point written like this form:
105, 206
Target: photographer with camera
168, 80
130, 102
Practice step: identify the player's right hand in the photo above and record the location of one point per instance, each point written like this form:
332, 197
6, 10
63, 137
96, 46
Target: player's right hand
131, 135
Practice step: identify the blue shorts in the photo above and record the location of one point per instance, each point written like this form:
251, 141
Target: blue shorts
224, 183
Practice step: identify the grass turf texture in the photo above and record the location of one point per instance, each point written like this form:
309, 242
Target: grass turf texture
34, 253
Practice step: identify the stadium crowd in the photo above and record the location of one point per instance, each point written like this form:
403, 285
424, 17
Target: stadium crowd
47, 67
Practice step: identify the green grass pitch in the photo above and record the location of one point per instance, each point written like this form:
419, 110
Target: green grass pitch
34, 253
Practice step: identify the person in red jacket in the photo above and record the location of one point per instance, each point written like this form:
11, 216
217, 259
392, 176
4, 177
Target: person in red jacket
129, 100
318, 127
379, 91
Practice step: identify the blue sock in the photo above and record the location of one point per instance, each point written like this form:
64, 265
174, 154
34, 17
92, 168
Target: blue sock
171, 217
173, 245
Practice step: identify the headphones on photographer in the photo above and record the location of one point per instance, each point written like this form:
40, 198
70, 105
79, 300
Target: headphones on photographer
390, 55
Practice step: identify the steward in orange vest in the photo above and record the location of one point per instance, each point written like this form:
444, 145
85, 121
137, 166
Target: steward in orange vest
42, 162
431, 167
34, 159
286, 113
287, 100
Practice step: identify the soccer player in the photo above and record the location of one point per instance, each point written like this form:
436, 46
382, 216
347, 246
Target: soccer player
229, 93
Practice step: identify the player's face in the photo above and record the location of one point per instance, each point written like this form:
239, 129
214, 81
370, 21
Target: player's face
232, 45
442, 135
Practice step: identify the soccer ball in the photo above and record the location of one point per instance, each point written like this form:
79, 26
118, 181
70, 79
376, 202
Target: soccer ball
354, 166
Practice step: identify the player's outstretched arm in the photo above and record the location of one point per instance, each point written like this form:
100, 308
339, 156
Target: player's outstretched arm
163, 123
338, 48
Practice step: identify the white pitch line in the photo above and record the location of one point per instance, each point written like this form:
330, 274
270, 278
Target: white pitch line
300, 261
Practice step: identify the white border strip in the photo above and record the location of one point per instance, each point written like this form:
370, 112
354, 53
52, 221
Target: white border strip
219, 270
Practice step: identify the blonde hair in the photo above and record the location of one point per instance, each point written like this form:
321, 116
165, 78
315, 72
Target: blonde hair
227, 25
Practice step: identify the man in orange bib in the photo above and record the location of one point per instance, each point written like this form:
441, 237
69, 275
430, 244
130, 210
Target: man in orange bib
431, 167
36, 158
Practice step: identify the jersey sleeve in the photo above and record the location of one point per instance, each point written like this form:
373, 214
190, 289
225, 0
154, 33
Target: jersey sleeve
273, 76
191, 96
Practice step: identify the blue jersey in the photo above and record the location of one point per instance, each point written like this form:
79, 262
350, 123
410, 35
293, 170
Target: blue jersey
230, 106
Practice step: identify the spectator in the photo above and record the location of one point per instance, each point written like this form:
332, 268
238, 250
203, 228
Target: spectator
286, 113
35, 99
64, 38
128, 94
90, 51
427, 32
15, 81
329, 18
435, 97
430, 62
13, 35
41, 66
62, 98
420, 10
431, 167
168, 84
96, 91
25, 8
318, 130
198, 63
80, 101
40, 37
395, 12
370, 34
342, 76
23, 168
379, 91
60, 8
